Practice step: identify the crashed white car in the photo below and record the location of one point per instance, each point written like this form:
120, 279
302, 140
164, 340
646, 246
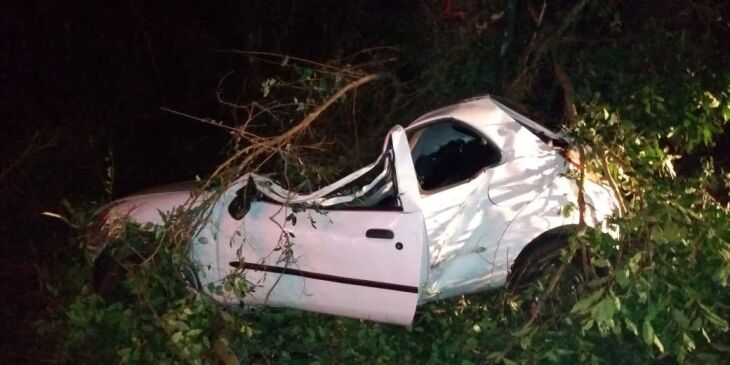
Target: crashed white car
464, 199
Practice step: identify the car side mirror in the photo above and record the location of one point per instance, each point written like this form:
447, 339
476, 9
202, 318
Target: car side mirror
241, 204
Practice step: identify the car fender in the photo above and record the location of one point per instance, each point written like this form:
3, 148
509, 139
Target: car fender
146, 208
555, 207
149, 208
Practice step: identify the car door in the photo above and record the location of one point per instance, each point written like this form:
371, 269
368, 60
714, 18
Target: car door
453, 164
361, 262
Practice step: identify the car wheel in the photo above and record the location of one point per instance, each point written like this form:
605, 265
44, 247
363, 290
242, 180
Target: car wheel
109, 279
544, 254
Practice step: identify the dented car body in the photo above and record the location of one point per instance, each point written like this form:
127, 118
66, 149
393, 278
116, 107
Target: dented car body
445, 210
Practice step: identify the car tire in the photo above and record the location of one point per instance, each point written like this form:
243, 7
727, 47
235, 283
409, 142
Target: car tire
530, 264
109, 279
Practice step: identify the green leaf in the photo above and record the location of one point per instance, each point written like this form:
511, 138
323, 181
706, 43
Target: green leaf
601, 262
658, 344
470, 344
551, 356
711, 101
713, 317
680, 318
605, 309
647, 332
293, 218
227, 316
194, 332
634, 262
495, 355
525, 342
588, 325
586, 302
631, 326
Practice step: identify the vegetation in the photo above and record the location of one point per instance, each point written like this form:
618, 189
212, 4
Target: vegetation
645, 87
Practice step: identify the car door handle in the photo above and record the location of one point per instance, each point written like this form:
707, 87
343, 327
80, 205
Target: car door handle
380, 233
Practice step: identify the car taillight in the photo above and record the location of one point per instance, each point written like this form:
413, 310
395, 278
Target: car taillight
572, 156
104, 217
104, 213
98, 230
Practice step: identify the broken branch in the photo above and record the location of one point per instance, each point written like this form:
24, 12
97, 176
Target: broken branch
612, 182
278, 141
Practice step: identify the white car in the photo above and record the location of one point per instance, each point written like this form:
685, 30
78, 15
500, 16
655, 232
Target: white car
464, 199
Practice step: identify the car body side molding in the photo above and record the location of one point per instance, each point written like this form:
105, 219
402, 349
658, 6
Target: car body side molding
325, 277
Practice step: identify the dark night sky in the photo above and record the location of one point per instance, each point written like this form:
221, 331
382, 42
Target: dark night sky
94, 76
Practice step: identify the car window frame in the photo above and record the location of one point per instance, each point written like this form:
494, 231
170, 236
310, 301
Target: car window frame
468, 127
389, 156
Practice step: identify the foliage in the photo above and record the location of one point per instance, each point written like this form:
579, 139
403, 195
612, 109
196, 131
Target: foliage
643, 88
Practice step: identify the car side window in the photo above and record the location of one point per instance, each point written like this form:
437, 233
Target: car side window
449, 152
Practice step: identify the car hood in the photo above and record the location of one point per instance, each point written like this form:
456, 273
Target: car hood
151, 205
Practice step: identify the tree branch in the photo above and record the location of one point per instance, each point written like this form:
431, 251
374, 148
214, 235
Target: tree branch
276, 142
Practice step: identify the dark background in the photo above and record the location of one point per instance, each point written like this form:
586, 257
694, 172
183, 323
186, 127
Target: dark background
81, 84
